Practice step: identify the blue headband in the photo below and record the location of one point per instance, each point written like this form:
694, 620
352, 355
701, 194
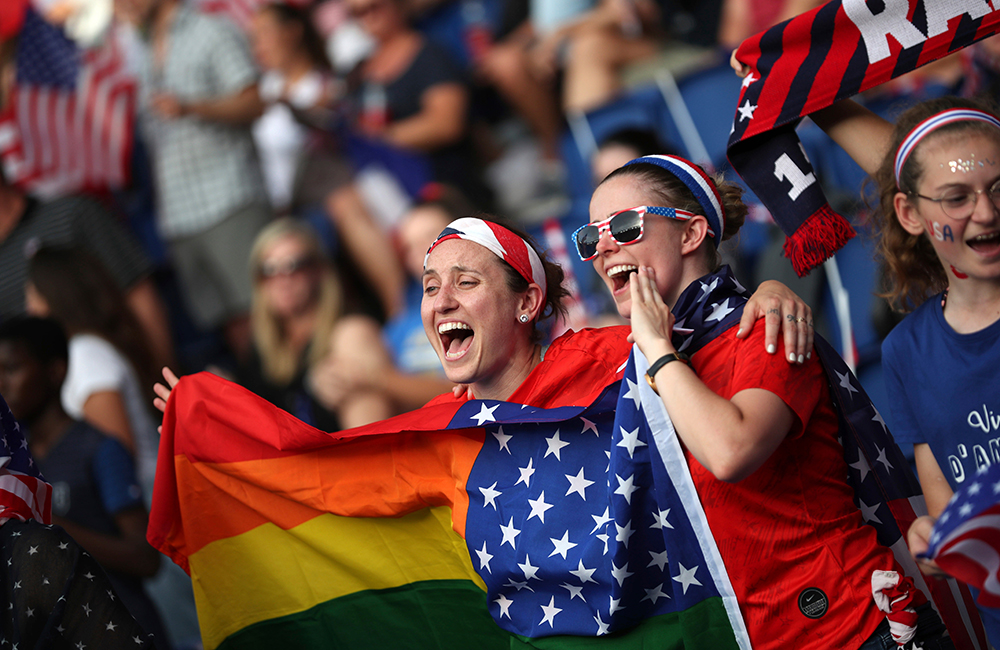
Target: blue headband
700, 185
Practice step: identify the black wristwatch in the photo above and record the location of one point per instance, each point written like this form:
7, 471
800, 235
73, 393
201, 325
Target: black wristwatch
659, 363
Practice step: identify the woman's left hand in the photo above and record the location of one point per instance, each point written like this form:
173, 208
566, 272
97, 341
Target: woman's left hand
652, 321
782, 309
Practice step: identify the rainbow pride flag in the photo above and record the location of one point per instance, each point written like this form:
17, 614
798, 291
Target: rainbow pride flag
547, 521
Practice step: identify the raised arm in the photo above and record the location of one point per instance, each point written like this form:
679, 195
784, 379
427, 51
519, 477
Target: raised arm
862, 134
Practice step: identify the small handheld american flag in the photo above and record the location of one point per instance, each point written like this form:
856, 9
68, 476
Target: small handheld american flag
965, 541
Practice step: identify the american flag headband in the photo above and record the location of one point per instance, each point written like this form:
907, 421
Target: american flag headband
931, 124
503, 243
701, 186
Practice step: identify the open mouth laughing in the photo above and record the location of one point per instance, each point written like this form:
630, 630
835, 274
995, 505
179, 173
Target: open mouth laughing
456, 339
987, 243
620, 275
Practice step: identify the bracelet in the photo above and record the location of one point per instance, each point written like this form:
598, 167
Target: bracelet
659, 363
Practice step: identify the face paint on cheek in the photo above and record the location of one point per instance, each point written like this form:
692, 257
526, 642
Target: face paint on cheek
938, 232
958, 274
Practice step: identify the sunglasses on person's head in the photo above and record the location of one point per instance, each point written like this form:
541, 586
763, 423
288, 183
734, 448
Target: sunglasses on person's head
292, 266
625, 227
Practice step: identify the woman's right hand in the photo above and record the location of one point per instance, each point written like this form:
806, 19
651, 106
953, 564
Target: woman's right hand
163, 392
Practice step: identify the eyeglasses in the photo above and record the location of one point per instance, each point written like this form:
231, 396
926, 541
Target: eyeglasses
960, 204
625, 227
292, 266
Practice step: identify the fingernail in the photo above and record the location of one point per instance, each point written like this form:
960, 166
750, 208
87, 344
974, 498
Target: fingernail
801, 358
738, 332
791, 357
771, 349
809, 355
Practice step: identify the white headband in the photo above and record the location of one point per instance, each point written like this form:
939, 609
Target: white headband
505, 244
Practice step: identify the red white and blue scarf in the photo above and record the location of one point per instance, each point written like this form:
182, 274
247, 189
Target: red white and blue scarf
813, 60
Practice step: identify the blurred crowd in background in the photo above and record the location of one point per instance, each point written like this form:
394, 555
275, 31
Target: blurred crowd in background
250, 186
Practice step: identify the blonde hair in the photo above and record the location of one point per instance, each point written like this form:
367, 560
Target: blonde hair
280, 362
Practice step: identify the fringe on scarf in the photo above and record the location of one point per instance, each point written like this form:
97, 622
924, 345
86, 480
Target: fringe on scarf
817, 239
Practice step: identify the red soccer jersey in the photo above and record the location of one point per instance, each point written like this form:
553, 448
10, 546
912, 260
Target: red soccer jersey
797, 551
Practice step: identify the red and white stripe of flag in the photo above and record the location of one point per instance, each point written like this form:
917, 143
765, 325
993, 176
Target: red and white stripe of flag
23, 497
55, 141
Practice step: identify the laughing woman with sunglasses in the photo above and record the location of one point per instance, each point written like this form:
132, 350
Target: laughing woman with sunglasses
759, 434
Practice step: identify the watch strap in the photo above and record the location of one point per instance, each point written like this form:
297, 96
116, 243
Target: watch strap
659, 363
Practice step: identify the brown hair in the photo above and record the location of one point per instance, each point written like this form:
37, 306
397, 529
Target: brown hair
83, 297
670, 191
913, 270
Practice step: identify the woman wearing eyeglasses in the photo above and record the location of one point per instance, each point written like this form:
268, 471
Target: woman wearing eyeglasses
938, 227
299, 329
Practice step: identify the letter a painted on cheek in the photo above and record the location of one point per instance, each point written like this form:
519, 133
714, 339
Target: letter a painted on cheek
948, 236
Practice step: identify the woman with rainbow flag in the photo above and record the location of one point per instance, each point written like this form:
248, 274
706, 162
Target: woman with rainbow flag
444, 480
580, 499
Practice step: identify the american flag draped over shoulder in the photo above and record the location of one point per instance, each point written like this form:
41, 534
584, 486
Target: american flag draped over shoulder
885, 490
69, 124
24, 494
965, 541
578, 527
813, 60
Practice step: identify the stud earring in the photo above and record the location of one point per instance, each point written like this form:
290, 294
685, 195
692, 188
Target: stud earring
523, 318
